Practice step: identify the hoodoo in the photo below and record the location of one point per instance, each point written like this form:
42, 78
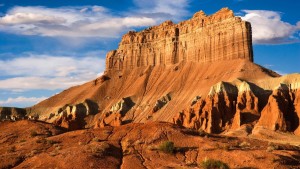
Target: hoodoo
217, 37
198, 73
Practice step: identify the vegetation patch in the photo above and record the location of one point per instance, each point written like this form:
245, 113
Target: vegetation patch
167, 147
99, 150
213, 164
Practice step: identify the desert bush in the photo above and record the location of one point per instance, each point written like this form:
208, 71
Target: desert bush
213, 164
167, 147
99, 150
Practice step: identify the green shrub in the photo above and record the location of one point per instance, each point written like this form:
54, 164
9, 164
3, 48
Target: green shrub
213, 164
167, 147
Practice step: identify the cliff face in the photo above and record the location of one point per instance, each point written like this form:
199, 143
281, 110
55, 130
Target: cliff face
198, 73
217, 37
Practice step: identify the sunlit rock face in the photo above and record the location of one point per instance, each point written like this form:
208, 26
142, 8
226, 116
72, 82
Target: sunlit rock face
220, 36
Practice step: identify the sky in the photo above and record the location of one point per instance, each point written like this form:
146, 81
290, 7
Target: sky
49, 46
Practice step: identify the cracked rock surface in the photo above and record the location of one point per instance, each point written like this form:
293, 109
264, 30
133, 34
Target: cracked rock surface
32, 144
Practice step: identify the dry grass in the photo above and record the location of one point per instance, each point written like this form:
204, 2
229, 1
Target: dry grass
213, 164
99, 150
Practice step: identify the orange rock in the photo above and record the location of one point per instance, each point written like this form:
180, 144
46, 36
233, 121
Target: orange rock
297, 109
199, 39
247, 109
277, 114
214, 114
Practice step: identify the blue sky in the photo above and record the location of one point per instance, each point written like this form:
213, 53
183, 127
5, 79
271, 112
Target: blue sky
48, 46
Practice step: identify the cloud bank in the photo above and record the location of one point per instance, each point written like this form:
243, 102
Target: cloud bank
89, 21
163, 10
268, 27
85, 21
48, 72
22, 100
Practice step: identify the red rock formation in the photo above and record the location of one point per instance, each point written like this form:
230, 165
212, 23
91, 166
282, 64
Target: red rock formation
73, 117
214, 114
297, 108
247, 110
10, 113
114, 116
158, 71
224, 109
220, 36
276, 114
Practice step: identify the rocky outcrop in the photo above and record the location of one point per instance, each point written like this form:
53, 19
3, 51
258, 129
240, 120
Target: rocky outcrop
297, 109
161, 103
247, 109
220, 36
73, 117
279, 113
230, 107
185, 60
113, 117
12, 114
214, 114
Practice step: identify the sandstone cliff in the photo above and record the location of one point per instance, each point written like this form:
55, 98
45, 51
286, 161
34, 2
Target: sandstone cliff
220, 36
198, 73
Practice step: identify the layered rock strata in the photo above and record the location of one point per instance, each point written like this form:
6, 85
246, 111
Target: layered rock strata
220, 36
157, 72
229, 107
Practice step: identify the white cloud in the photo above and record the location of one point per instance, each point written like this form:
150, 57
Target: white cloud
90, 21
164, 9
48, 72
85, 21
268, 28
22, 100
